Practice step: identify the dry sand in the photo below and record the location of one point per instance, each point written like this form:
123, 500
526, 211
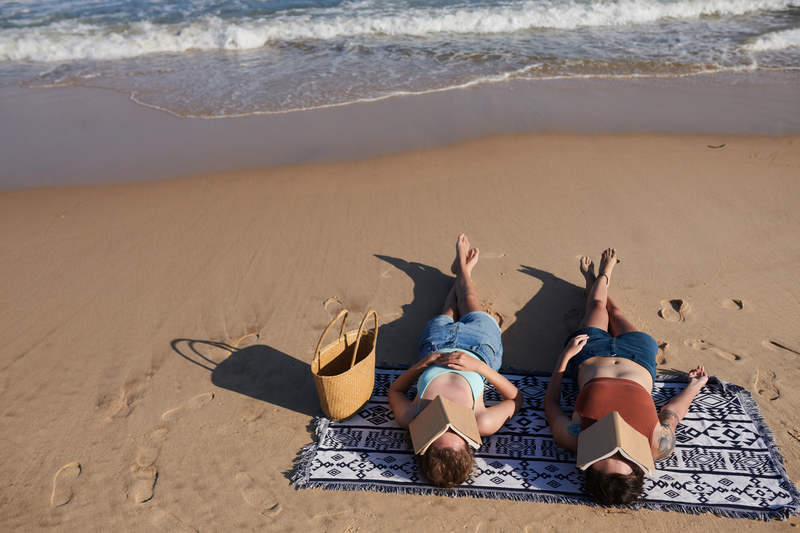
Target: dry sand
154, 374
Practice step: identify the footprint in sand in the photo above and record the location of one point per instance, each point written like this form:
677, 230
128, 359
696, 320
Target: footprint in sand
765, 385
336, 300
674, 310
122, 404
488, 307
245, 341
662, 347
777, 346
702, 345
62, 484
119, 407
141, 483
152, 447
144, 472
572, 319
733, 305
795, 433
259, 497
195, 403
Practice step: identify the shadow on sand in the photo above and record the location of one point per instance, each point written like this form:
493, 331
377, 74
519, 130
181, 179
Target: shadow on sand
537, 336
534, 340
257, 371
398, 340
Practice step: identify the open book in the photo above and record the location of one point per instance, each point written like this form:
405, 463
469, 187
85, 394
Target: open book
439, 416
609, 435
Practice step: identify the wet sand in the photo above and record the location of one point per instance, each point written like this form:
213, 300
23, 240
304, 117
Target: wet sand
75, 135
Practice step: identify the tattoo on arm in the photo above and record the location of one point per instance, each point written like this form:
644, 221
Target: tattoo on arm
574, 429
666, 441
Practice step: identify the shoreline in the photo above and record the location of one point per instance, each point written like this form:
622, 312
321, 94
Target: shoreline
68, 136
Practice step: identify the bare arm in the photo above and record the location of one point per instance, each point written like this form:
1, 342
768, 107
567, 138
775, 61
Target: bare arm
493, 418
402, 407
565, 431
672, 413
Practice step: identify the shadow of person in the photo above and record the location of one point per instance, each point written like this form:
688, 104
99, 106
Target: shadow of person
258, 371
536, 338
398, 340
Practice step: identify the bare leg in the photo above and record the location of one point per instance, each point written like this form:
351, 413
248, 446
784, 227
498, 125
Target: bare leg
596, 313
587, 269
617, 323
451, 305
466, 260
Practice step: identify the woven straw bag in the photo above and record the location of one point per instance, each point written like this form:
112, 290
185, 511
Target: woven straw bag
344, 371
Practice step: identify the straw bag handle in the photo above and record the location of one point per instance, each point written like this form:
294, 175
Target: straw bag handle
343, 312
360, 329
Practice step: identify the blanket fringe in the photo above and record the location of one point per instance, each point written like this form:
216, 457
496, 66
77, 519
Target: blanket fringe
751, 407
303, 463
764, 516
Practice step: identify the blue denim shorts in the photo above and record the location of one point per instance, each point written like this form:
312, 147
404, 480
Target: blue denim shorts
477, 332
637, 346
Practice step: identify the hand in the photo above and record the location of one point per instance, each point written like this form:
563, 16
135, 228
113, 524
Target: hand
429, 360
698, 377
574, 346
460, 361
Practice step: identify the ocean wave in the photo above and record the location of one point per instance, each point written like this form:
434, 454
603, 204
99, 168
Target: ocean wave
779, 40
75, 40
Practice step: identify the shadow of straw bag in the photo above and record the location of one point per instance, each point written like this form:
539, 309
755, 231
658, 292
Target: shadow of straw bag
344, 371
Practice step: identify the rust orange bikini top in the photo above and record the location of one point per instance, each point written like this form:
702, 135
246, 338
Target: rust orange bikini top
601, 396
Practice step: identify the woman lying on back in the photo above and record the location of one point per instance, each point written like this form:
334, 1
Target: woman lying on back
459, 350
614, 366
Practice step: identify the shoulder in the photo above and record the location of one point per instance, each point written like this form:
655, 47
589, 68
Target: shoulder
405, 415
403, 409
491, 419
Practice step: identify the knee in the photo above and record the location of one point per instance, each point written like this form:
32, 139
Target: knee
471, 296
616, 312
595, 305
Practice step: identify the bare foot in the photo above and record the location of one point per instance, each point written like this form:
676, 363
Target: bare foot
472, 260
607, 263
466, 258
462, 247
587, 269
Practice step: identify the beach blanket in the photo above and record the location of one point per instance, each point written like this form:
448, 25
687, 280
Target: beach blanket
725, 461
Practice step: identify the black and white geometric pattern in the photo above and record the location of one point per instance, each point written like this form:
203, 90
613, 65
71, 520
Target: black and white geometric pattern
725, 460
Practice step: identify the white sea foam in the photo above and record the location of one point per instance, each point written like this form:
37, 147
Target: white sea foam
68, 40
779, 40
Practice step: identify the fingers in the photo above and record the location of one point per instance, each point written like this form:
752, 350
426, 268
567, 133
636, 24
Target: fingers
580, 339
698, 375
457, 361
450, 357
699, 371
449, 354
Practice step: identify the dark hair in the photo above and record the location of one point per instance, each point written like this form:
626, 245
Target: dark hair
446, 467
614, 489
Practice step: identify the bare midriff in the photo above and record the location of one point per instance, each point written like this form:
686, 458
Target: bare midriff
614, 367
452, 386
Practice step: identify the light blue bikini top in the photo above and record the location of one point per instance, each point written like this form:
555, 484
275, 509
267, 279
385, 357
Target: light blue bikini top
474, 379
